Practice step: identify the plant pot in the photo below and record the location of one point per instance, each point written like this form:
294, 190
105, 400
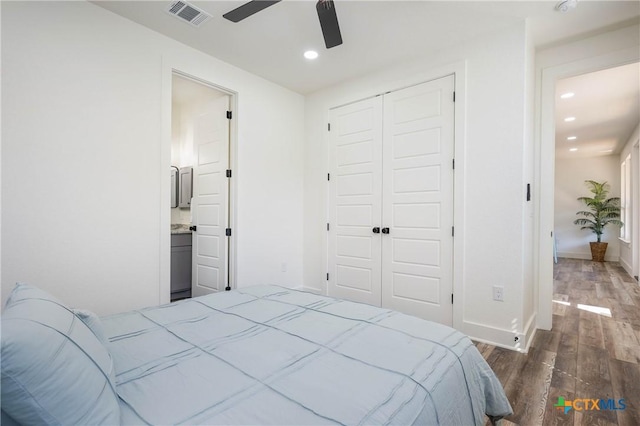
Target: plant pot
598, 250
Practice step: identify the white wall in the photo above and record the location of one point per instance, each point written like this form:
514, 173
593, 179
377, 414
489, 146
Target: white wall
570, 177
86, 149
491, 214
529, 297
630, 252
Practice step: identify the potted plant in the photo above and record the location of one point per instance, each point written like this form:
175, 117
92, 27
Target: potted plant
602, 212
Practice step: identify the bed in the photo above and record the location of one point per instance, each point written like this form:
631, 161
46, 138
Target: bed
254, 356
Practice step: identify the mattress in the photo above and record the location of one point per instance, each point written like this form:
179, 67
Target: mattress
271, 355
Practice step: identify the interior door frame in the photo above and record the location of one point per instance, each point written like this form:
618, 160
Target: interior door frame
459, 71
545, 170
635, 181
196, 73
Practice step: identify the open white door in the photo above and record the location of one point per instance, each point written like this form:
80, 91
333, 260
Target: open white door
209, 207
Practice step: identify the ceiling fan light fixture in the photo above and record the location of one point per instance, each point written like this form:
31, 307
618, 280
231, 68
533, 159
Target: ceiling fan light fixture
247, 9
329, 23
326, 15
311, 54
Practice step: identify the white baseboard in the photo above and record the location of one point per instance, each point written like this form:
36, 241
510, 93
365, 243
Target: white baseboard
626, 266
495, 336
587, 256
309, 289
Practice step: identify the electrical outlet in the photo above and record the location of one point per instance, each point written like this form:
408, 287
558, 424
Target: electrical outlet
283, 267
498, 293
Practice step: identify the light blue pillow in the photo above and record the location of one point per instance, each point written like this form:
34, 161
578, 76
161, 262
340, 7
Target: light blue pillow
93, 322
54, 369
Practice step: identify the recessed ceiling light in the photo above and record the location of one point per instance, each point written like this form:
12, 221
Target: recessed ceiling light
311, 54
573, 149
572, 138
567, 95
569, 119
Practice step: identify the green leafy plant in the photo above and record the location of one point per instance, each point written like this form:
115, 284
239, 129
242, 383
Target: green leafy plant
603, 211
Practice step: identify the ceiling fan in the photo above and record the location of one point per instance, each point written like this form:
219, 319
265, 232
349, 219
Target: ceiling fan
326, 14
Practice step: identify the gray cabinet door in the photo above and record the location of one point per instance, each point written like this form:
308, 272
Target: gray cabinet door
180, 262
186, 181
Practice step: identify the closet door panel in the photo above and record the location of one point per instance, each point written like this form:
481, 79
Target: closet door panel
355, 159
417, 200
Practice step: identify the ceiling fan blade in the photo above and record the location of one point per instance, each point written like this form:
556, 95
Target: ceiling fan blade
329, 23
248, 9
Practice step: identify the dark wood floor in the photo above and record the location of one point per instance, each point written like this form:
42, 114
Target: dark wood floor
587, 354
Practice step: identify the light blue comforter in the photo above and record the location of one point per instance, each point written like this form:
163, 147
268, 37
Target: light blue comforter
270, 355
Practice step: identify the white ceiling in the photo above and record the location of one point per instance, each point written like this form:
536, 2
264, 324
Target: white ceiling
376, 34
606, 106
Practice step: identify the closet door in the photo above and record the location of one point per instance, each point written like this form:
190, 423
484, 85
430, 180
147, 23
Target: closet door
209, 208
355, 185
417, 253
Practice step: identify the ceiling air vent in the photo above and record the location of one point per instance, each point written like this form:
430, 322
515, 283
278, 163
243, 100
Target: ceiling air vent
188, 12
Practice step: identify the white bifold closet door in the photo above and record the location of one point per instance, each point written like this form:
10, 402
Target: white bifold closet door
210, 205
391, 200
355, 201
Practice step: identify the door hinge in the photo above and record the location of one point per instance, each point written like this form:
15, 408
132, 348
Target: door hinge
454, 96
452, 298
453, 231
228, 173
453, 164
329, 127
328, 176
327, 226
327, 276
229, 115
227, 232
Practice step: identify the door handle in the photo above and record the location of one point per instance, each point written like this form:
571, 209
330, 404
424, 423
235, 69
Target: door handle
193, 228
385, 230
376, 230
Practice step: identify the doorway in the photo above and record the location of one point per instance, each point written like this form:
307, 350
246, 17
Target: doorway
201, 217
596, 113
545, 169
